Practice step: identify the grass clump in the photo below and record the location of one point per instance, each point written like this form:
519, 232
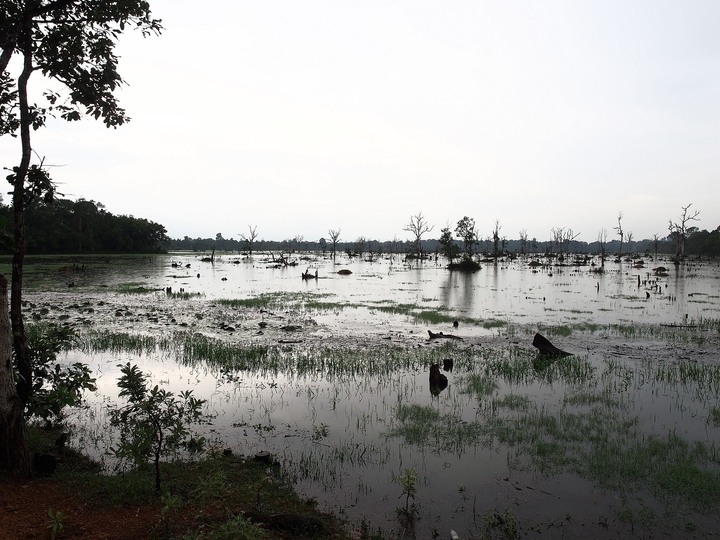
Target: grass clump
713, 418
425, 427
480, 385
134, 288
221, 496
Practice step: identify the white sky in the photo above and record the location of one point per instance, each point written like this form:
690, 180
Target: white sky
301, 116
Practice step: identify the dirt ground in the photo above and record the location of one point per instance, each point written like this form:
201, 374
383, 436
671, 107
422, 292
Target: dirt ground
24, 507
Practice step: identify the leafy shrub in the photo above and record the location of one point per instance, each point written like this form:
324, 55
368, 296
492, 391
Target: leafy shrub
154, 422
55, 385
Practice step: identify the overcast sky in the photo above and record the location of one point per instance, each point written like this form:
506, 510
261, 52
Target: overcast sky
301, 116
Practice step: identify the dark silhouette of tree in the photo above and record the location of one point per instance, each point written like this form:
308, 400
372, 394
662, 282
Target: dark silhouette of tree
418, 226
568, 238
629, 238
71, 42
13, 449
64, 226
496, 239
523, 241
448, 247
334, 235
679, 231
360, 244
250, 238
656, 243
620, 232
602, 243
467, 232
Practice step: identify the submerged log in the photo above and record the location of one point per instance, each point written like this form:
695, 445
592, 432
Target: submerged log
546, 348
440, 335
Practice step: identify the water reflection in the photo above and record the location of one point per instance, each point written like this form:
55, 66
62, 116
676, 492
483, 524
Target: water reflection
345, 425
509, 291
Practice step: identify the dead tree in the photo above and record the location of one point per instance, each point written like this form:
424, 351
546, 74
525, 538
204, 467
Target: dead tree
602, 243
418, 226
250, 238
334, 235
679, 231
620, 232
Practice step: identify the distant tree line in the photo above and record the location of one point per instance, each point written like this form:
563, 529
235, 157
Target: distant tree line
82, 226
698, 243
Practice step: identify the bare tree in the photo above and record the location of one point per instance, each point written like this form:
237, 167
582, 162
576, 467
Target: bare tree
334, 235
496, 239
557, 237
679, 231
360, 244
620, 232
629, 238
656, 243
568, 236
250, 238
417, 227
523, 241
602, 243
297, 242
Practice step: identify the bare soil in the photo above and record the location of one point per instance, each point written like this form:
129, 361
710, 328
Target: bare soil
24, 507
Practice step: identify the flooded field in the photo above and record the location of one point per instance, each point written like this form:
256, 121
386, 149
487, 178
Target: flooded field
331, 376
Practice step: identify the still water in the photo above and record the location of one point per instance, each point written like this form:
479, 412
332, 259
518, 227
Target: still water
345, 440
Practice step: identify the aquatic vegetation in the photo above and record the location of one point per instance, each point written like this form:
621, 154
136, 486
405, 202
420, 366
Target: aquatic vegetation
344, 412
713, 418
135, 287
493, 323
424, 426
480, 385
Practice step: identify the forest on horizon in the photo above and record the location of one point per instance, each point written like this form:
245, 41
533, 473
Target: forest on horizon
85, 226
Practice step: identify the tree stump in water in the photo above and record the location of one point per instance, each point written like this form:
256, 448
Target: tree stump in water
546, 348
438, 381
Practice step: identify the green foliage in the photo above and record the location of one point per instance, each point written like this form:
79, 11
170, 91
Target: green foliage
74, 43
467, 232
82, 226
408, 482
171, 504
55, 385
38, 186
56, 523
236, 528
448, 247
154, 422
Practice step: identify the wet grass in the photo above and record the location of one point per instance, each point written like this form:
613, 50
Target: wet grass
337, 364
590, 431
423, 425
134, 288
313, 302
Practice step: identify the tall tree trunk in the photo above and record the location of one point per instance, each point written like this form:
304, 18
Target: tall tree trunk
22, 352
14, 454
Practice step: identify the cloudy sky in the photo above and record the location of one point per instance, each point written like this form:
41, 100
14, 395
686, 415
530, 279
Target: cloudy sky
302, 116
